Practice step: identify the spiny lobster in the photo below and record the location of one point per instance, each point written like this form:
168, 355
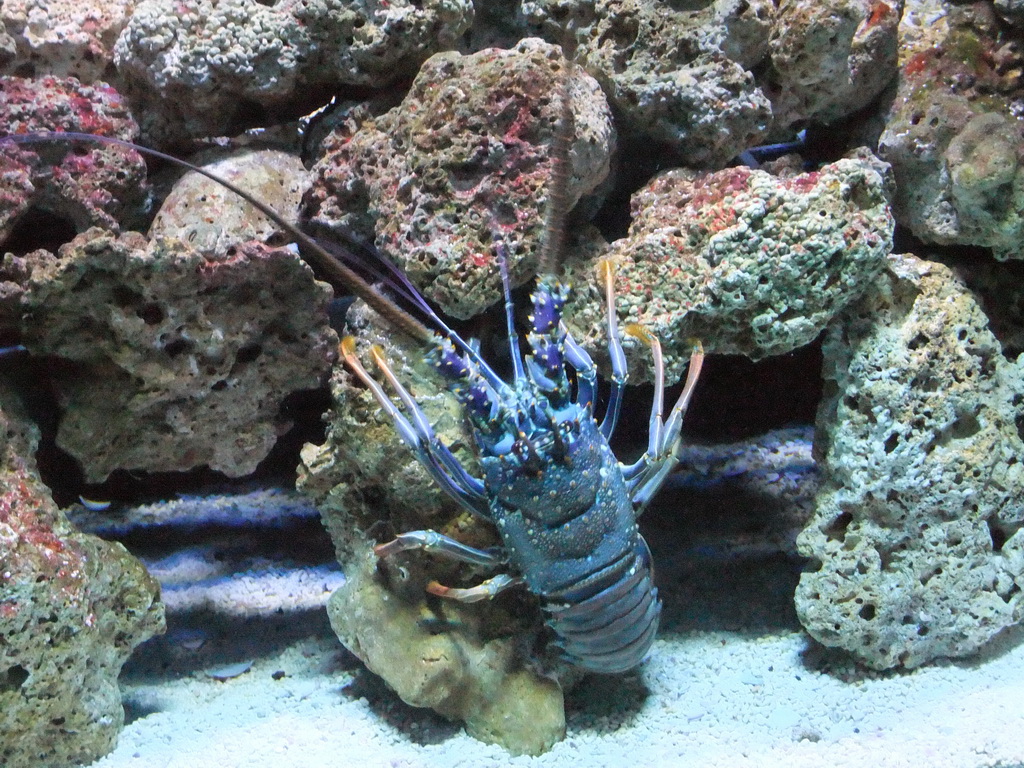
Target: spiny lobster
563, 505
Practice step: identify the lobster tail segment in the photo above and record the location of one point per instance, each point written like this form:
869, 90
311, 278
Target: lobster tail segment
607, 623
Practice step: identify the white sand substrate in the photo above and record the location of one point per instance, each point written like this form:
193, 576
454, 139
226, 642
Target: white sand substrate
703, 699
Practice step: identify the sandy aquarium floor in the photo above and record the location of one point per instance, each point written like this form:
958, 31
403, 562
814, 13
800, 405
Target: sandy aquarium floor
732, 681
704, 699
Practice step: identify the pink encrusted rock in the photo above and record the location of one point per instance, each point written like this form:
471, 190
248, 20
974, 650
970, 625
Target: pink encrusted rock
198, 68
747, 262
87, 184
64, 38
954, 135
173, 359
830, 59
465, 158
72, 608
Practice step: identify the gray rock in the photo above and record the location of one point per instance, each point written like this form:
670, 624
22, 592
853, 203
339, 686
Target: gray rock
665, 71
917, 540
830, 59
176, 359
195, 68
66, 38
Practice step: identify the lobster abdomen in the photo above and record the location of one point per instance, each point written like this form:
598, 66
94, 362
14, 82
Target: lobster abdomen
606, 623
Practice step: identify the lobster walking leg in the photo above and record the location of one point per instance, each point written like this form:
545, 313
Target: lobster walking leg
647, 475
439, 544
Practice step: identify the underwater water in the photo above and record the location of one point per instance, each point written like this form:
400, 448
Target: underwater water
208, 425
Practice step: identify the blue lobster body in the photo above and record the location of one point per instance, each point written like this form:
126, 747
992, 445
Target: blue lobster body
563, 505
571, 531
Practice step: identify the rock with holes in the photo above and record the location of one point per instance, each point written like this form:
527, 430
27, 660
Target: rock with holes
72, 608
466, 158
200, 68
84, 184
917, 542
66, 38
674, 74
830, 59
954, 135
170, 359
747, 262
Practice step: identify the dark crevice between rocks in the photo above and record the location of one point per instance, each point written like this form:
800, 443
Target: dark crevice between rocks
38, 229
735, 399
707, 578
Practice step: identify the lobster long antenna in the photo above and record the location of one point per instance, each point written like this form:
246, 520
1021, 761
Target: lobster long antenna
552, 252
329, 265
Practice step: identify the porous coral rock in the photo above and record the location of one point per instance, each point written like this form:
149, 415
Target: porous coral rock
830, 59
954, 136
747, 262
917, 543
86, 184
464, 158
72, 608
199, 66
175, 360
64, 38
665, 71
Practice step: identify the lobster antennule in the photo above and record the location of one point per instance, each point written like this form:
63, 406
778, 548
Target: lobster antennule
329, 264
552, 252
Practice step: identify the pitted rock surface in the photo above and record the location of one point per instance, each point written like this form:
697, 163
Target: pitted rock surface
197, 67
72, 608
830, 59
665, 71
917, 543
64, 38
954, 138
87, 184
747, 262
466, 158
175, 360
